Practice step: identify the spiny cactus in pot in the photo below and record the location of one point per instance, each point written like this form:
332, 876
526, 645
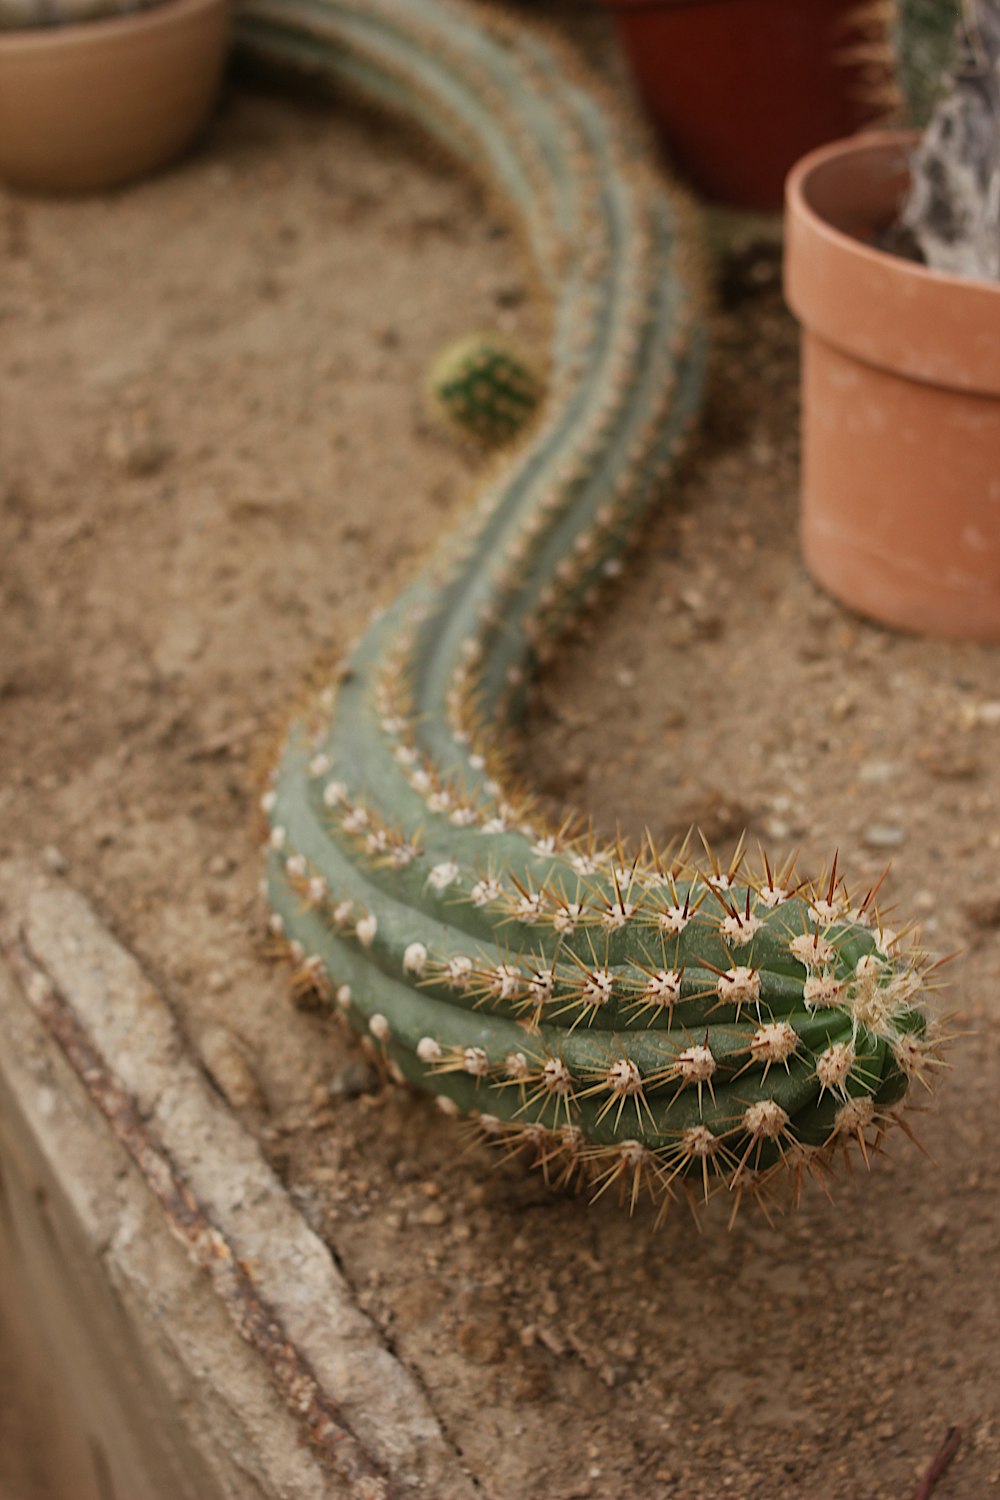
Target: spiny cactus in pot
953, 208
921, 41
628, 1019
943, 57
901, 368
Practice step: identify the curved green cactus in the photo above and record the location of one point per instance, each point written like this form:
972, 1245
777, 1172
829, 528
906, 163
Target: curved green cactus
484, 386
628, 1019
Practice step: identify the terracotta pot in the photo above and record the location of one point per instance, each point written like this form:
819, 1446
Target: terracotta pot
900, 404
740, 89
95, 104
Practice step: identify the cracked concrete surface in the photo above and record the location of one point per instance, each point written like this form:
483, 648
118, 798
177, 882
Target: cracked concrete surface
147, 1351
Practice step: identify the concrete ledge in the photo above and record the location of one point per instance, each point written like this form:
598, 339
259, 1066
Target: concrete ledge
197, 1337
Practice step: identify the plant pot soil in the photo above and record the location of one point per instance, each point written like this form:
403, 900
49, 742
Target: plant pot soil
96, 104
900, 404
740, 89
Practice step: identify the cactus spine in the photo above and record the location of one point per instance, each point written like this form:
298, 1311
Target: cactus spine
627, 1018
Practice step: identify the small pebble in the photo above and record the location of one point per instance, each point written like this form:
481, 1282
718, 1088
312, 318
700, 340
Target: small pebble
877, 772
510, 294
711, 627
134, 447
680, 632
884, 836
54, 860
950, 764
223, 1056
984, 912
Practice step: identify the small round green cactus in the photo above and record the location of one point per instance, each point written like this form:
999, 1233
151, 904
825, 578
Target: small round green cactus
484, 386
628, 1019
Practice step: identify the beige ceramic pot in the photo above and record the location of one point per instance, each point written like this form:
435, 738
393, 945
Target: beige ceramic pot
95, 104
900, 404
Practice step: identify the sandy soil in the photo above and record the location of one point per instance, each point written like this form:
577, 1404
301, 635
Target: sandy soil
214, 458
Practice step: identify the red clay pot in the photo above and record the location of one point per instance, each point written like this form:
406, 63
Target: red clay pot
740, 89
900, 404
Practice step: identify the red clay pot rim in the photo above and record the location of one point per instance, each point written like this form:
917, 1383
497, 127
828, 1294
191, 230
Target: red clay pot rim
884, 283
662, 4
30, 40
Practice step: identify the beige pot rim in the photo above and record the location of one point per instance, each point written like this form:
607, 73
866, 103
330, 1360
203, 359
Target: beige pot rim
30, 41
890, 312
98, 103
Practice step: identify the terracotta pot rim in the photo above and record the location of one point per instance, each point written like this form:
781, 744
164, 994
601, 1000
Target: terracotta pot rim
867, 143
889, 312
32, 40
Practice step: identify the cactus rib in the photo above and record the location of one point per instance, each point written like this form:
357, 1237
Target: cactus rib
629, 1018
